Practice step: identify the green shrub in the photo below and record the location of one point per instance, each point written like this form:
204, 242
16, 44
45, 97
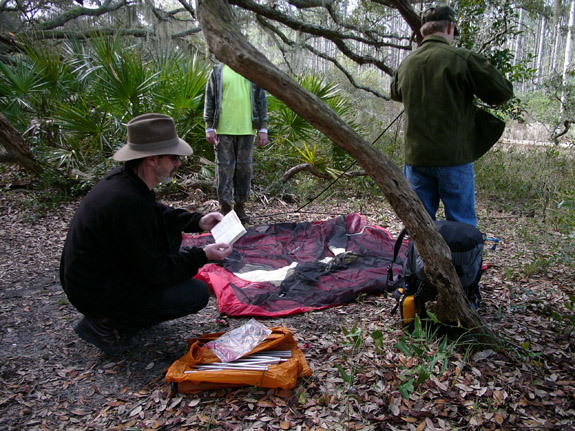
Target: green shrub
530, 179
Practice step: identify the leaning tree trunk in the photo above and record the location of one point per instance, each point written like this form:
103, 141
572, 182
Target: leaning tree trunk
16, 151
231, 47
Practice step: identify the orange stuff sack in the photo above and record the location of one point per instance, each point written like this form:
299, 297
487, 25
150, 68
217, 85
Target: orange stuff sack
283, 375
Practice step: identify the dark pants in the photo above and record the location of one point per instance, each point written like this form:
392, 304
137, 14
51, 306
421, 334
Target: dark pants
159, 304
234, 168
171, 303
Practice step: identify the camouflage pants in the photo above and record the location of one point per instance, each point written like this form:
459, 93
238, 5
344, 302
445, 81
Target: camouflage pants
234, 167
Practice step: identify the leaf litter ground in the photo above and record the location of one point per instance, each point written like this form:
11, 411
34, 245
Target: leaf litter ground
52, 380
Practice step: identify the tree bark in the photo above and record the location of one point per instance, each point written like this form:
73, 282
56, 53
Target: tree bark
567, 61
231, 47
540, 49
16, 151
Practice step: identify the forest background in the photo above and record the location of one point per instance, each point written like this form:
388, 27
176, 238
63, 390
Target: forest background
73, 73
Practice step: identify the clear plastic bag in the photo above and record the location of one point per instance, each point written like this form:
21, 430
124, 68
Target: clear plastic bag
240, 341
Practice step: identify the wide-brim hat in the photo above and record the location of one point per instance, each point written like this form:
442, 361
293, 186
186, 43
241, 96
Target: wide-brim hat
439, 13
152, 135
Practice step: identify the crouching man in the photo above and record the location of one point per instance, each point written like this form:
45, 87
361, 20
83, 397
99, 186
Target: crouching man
122, 266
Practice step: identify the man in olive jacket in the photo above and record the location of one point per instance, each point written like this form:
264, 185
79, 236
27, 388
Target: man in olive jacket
122, 266
444, 132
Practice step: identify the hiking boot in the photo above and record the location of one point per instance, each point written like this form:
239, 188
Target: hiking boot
241, 212
101, 333
225, 208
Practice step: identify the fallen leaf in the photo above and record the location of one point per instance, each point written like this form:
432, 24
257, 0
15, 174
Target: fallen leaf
265, 403
409, 420
135, 411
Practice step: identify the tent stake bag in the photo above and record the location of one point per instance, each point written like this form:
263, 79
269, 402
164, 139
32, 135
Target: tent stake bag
184, 379
466, 245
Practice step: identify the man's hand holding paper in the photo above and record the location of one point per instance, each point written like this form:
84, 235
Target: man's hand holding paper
208, 221
229, 229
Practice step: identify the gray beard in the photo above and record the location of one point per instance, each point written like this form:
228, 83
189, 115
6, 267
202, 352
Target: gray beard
167, 180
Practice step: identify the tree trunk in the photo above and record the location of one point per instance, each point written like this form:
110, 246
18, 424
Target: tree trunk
568, 50
16, 151
540, 46
557, 38
231, 47
518, 39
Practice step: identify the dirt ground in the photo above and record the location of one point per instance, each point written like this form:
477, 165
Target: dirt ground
52, 380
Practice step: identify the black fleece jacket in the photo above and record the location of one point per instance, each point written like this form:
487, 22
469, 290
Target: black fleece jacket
118, 251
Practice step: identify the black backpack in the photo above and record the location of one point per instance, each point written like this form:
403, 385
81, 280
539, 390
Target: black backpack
466, 243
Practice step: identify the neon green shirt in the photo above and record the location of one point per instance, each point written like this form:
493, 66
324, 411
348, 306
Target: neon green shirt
236, 112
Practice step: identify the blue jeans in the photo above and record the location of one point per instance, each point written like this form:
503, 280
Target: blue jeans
453, 185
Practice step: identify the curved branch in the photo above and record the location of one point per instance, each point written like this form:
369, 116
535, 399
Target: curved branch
14, 44
77, 12
361, 60
276, 15
310, 4
189, 8
315, 171
494, 37
566, 127
411, 17
314, 51
337, 37
304, 167
347, 74
187, 32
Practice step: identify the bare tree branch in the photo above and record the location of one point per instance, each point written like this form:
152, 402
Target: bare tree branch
411, 17
72, 14
304, 167
188, 7
276, 14
15, 45
347, 74
338, 36
315, 171
494, 36
314, 51
308, 4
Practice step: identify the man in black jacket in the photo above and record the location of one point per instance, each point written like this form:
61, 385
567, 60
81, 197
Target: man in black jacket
122, 266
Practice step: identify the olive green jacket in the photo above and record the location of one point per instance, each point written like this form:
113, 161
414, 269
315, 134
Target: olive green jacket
437, 84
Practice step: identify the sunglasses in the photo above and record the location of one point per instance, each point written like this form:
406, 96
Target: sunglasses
173, 158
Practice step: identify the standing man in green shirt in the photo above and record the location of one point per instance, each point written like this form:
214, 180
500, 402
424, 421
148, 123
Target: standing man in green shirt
235, 110
444, 131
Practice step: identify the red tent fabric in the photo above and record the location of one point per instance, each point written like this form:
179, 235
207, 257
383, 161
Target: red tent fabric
288, 268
